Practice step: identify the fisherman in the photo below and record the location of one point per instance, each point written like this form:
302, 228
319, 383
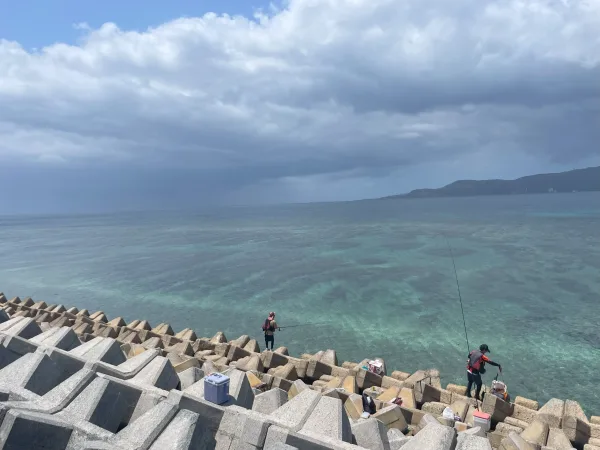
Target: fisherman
269, 328
476, 366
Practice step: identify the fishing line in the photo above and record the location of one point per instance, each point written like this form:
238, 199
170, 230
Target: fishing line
459, 294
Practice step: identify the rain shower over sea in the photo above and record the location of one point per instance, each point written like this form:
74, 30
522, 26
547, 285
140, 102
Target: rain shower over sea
377, 273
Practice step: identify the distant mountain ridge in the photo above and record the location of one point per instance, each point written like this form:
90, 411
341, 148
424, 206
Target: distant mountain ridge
587, 179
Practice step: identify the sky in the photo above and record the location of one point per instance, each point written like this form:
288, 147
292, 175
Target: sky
151, 104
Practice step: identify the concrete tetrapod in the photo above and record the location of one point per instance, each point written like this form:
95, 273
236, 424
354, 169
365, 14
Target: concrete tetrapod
575, 423
432, 437
558, 440
185, 432
102, 408
190, 376
101, 349
536, 433
472, 442
329, 419
371, 434
33, 372
30, 430
552, 412
269, 401
159, 373
59, 397
515, 442
63, 338
129, 368
295, 413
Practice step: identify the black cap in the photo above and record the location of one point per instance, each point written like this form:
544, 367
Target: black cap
484, 348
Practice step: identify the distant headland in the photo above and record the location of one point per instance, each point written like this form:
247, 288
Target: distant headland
578, 180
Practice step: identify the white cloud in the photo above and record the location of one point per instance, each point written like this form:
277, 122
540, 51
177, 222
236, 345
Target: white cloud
316, 88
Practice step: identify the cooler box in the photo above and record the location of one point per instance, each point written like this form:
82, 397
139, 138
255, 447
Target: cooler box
481, 419
216, 388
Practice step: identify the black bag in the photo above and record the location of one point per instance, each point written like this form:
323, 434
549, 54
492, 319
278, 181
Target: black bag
267, 326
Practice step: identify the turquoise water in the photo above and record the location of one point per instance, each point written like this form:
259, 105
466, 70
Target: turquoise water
377, 272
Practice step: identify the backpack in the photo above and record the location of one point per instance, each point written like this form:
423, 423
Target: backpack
476, 362
267, 325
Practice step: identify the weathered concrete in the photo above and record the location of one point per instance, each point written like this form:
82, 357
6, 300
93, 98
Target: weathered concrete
182, 348
190, 376
472, 442
295, 412
389, 394
329, 357
460, 409
536, 433
268, 402
515, 442
187, 334
371, 434
366, 379
163, 329
153, 342
30, 430
99, 316
157, 373
59, 397
252, 346
392, 417
273, 359
104, 403
240, 389
432, 437
296, 388
575, 423
353, 406
498, 408
435, 408
552, 412
218, 338
460, 390
527, 403
185, 432
558, 440
520, 412
23, 327
34, 372
58, 354
288, 372
329, 419
250, 363
516, 422
63, 338
101, 349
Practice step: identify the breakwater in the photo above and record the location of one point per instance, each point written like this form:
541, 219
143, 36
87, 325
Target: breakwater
77, 379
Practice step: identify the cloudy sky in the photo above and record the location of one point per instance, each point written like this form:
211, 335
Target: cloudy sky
149, 104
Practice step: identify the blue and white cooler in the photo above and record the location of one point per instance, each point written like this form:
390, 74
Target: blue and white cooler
216, 388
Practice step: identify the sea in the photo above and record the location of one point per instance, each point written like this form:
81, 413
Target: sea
368, 278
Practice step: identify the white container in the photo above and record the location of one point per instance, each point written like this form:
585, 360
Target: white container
482, 420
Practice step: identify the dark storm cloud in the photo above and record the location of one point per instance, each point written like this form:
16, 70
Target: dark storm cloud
319, 97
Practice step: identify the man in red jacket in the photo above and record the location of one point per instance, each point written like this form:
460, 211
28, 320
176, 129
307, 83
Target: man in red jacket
476, 366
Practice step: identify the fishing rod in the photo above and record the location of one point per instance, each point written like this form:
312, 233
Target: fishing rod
302, 325
459, 294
